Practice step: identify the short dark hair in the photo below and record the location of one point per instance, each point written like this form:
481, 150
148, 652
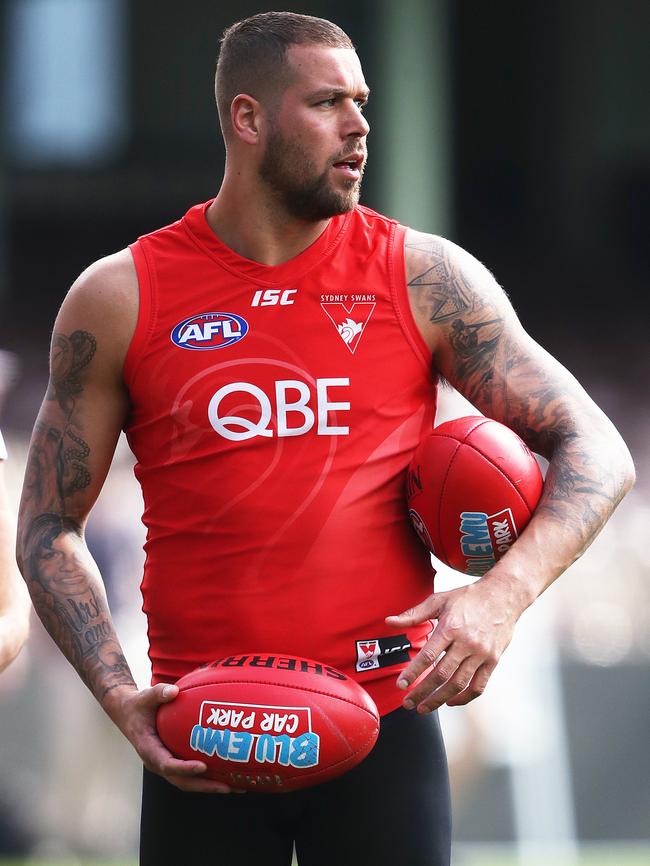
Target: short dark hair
253, 54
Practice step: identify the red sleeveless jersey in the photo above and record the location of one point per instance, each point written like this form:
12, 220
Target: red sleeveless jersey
274, 413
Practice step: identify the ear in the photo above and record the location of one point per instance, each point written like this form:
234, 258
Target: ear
245, 116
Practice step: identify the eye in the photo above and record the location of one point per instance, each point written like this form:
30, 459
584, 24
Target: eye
361, 103
328, 103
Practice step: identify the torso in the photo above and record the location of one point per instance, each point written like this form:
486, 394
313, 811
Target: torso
284, 531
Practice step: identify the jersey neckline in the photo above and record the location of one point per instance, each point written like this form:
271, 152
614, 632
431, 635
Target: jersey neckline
197, 226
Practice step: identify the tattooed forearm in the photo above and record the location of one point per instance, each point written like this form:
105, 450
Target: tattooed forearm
61, 575
68, 596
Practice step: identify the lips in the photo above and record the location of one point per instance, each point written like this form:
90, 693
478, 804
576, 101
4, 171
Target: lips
353, 162
351, 165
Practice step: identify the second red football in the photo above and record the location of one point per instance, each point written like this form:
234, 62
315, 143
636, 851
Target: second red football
473, 485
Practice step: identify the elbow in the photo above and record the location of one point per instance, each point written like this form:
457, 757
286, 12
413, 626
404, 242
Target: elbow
621, 467
628, 472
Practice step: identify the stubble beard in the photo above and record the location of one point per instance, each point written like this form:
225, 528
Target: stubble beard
290, 174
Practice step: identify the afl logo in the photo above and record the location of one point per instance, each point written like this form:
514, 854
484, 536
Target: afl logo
209, 331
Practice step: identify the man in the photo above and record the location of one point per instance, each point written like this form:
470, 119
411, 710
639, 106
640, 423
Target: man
270, 357
14, 601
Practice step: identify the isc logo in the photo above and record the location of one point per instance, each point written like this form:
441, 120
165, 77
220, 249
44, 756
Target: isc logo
295, 416
271, 297
209, 331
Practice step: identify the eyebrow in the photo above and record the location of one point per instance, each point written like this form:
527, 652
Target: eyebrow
326, 92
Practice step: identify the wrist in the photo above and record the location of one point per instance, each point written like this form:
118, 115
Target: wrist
518, 589
115, 699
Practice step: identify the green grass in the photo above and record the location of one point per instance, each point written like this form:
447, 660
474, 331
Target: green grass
624, 856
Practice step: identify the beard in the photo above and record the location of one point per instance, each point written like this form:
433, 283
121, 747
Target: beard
289, 172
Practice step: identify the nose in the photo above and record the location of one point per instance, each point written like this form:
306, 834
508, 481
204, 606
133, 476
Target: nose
357, 125
364, 123
67, 563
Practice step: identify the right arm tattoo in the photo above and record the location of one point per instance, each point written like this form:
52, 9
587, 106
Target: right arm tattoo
499, 371
63, 580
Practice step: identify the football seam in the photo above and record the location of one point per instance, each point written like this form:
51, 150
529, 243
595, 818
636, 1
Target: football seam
479, 423
501, 472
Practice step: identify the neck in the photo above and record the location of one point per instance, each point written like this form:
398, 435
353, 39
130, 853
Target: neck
246, 218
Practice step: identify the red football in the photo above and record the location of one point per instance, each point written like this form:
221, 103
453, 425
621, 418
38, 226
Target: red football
270, 722
473, 485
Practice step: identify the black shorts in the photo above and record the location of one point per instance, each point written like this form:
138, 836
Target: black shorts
393, 809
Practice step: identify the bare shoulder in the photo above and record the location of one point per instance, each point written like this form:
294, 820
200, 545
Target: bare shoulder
103, 302
446, 284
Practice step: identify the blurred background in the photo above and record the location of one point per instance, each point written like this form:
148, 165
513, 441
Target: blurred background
519, 130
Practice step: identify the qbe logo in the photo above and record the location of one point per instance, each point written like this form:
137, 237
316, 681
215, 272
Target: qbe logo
208, 331
293, 409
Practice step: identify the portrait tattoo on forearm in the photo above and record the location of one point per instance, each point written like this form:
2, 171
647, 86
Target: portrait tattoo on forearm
66, 588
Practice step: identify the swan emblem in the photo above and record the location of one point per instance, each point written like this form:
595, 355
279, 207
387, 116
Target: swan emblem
349, 330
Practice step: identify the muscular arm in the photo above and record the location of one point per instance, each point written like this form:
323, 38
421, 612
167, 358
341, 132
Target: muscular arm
480, 347
71, 448
72, 445
14, 602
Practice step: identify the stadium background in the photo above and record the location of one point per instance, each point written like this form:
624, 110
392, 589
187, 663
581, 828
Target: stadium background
521, 131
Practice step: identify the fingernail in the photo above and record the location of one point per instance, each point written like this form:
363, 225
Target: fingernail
424, 710
402, 684
168, 691
408, 704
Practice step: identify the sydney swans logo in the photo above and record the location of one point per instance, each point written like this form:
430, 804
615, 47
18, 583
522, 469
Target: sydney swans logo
350, 320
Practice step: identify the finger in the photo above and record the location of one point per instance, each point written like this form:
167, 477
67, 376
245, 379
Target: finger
168, 765
157, 758
476, 687
425, 659
201, 786
458, 682
442, 671
427, 609
162, 693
